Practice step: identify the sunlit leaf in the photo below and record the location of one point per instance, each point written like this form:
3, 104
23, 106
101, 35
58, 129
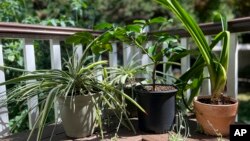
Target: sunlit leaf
102, 26
158, 20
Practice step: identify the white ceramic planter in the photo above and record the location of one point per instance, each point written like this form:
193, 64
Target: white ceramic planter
78, 118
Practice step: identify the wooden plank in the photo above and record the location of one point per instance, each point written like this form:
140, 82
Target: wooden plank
123, 135
4, 116
29, 63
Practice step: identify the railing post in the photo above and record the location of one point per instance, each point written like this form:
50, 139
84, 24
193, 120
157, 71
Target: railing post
55, 51
78, 50
168, 72
185, 62
127, 53
29, 62
232, 74
113, 56
4, 116
206, 85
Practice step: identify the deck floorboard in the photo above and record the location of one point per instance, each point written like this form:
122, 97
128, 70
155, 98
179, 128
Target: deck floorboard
124, 135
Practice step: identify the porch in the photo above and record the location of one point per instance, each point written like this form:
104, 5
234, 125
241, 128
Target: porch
29, 33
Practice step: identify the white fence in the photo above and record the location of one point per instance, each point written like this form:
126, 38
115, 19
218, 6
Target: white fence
29, 33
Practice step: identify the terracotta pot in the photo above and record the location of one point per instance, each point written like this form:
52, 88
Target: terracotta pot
215, 119
78, 122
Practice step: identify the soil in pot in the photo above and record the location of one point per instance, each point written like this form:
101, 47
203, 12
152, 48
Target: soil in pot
215, 119
160, 108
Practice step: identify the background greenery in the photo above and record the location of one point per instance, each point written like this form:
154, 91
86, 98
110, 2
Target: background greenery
87, 14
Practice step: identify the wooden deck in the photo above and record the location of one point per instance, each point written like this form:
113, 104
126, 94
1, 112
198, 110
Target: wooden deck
124, 135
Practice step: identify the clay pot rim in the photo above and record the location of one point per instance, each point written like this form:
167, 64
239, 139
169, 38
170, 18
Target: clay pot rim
213, 105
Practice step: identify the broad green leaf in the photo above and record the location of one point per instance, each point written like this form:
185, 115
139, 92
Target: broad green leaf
134, 28
158, 56
84, 5
103, 26
141, 39
11, 58
80, 37
152, 50
143, 22
158, 20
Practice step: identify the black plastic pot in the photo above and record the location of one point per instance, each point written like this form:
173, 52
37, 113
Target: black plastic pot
160, 108
131, 108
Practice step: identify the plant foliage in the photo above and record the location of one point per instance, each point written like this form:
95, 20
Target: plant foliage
217, 67
79, 78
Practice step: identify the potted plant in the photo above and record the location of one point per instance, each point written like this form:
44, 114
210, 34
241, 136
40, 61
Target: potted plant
215, 112
156, 98
125, 78
81, 96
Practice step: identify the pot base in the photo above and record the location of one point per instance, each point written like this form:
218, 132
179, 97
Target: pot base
215, 119
78, 119
160, 108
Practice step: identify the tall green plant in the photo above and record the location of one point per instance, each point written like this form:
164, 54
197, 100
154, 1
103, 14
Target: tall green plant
133, 34
217, 67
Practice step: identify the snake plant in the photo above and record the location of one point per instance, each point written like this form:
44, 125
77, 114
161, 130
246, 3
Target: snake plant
217, 66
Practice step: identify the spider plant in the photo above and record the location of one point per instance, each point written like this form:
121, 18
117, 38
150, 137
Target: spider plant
78, 78
217, 66
127, 74
125, 78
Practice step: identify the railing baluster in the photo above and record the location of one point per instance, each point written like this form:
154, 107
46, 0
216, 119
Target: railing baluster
232, 81
4, 116
127, 53
55, 51
79, 51
168, 72
206, 86
113, 58
29, 62
185, 62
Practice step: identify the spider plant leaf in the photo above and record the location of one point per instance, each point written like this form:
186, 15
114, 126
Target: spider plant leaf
45, 112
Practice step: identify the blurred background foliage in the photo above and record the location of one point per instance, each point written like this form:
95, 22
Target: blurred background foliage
87, 13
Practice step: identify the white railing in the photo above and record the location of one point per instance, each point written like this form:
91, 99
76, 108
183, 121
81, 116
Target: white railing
29, 33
